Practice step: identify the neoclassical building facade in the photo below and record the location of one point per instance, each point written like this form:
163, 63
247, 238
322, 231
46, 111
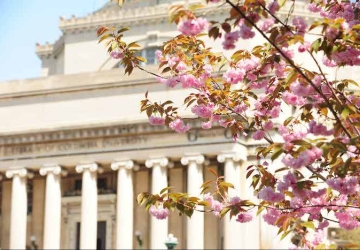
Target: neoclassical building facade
75, 150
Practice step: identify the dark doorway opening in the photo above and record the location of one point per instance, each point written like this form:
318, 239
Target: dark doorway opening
101, 235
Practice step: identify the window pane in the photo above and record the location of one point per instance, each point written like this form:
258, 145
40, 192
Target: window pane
150, 55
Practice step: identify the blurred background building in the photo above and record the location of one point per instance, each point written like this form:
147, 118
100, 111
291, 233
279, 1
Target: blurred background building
75, 150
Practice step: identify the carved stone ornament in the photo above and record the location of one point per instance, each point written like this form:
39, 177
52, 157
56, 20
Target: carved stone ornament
92, 167
199, 159
21, 172
162, 162
128, 164
55, 169
232, 156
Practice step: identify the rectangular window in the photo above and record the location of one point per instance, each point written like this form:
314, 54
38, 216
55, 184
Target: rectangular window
150, 55
78, 184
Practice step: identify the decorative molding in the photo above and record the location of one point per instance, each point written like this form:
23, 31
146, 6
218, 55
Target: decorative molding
129, 164
199, 159
21, 172
231, 156
92, 167
162, 162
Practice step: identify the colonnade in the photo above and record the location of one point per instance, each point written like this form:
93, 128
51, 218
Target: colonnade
125, 202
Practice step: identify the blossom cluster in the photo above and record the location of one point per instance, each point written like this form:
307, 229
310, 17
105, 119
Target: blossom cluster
158, 212
318, 142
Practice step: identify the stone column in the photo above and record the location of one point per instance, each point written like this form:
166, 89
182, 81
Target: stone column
89, 200
233, 230
52, 219
19, 207
195, 224
124, 204
159, 228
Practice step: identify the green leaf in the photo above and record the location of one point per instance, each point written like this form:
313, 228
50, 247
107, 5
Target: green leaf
345, 112
193, 199
285, 234
308, 224
102, 30
189, 212
105, 37
224, 211
165, 190
204, 203
141, 59
123, 30
277, 152
226, 184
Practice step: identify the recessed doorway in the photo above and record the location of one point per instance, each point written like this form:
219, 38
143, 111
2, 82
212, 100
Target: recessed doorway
101, 235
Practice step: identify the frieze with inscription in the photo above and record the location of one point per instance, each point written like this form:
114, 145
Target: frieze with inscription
70, 146
104, 143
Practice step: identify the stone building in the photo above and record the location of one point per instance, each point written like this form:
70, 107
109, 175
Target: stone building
75, 150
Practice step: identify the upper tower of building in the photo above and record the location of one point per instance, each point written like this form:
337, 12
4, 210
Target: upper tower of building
78, 51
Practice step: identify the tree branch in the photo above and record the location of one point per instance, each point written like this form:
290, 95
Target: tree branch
292, 64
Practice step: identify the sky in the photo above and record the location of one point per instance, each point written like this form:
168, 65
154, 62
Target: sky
23, 23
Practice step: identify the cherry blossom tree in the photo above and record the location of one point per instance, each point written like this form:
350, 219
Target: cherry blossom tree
319, 143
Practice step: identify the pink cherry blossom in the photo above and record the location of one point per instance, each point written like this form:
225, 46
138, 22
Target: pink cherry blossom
234, 75
267, 24
235, 200
156, 120
244, 217
300, 24
274, 7
271, 216
203, 110
159, 212
268, 125
319, 129
159, 55
268, 194
179, 126
245, 32
216, 207
240, 108
323, 224
289, 180
192, 27
293, 99
117, 54
208, 198
304, 47
348, 185
314, 8
230, 39
258, 135
347, 220
206, 125
305, 158
189, 81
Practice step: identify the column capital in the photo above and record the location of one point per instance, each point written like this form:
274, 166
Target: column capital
21, 172
163, 162
199, 159
92, 167
232, 156
52, 168
128, 164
